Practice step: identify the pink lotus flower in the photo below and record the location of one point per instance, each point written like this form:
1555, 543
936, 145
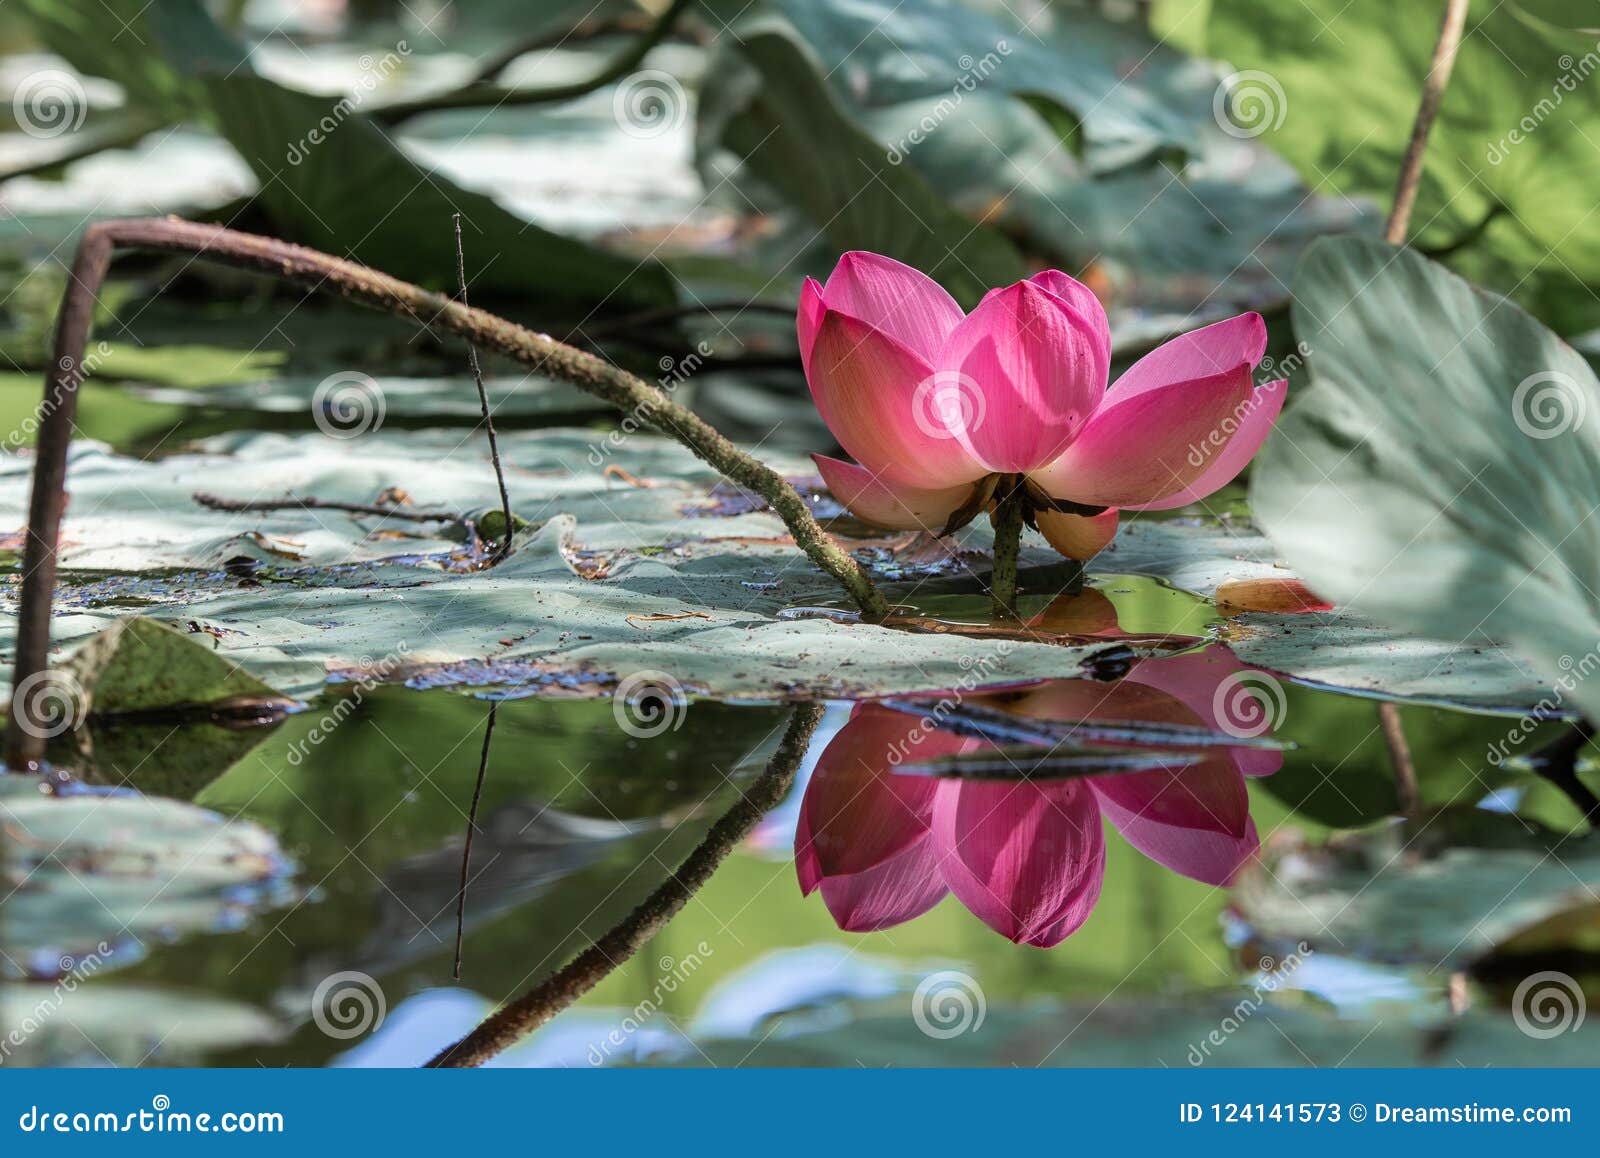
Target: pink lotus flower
1026, 857
935, 405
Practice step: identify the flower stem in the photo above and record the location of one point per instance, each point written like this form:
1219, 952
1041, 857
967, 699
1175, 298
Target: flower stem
1006, 518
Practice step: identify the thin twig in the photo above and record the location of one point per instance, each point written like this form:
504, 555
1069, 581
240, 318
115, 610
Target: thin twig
1400, 762
643, 402
504, 548
1444, 60
291, 503
472, 827
1405, 199
478, 95
520, 1017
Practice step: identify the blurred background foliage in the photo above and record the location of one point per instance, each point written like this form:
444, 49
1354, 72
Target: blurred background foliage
635, 176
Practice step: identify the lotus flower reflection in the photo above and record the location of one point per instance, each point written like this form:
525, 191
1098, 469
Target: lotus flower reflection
937, 406
1025, 856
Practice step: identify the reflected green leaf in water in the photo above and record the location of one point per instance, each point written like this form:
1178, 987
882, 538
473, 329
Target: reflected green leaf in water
125, 1025
1441, 890
117, 874
370, 789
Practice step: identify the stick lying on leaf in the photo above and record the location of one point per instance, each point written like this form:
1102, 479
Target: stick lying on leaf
294, 263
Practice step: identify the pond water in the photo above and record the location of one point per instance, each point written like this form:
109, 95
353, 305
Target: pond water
320, 927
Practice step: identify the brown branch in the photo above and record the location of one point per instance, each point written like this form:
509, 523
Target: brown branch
644, 402
557, 992
1444, 61
218, 503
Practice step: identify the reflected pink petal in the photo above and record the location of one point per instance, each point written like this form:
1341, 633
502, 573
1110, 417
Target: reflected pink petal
1143, 447
868, 388
1026, 857
855, 813
895, 299
889, 893
1033, 369
1199, 680
886, 504
1199, 854
1210, 796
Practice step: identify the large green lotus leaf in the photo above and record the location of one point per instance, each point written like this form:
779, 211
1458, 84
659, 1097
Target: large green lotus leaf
433, 399
1440, 475
619, 575
360, 192
1441, 890
105, 873
1130, 94
291, 594
1516, 74
1341, 648
78, 1024
773, 111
